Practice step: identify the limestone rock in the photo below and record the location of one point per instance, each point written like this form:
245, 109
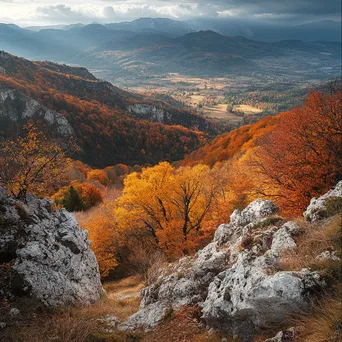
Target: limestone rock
251, 216
288, 335
245, 297
14, 312
50, 256
235, 279
110, 321
283, 238
328, 255
325, 206
146, 318
17, 107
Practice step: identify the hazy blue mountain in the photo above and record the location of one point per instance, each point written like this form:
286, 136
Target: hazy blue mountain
154, 25
122, 51
327, 30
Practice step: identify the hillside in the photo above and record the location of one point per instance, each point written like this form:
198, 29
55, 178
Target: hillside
236, 142
111, 125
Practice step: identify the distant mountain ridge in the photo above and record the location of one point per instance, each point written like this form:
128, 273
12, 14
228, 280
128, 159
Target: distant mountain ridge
325, 30
121, 50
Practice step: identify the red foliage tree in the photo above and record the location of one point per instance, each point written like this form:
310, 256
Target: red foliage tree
302, 156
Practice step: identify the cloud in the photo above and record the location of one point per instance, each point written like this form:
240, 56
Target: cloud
108, 12
46, 11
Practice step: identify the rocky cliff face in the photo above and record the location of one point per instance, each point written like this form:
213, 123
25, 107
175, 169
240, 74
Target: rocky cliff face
235, 280
153, 113
45, 255
17, 107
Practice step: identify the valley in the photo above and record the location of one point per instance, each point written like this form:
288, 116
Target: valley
228, 101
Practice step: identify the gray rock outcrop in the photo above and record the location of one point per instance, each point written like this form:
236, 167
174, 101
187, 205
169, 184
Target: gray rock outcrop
168, 115
236, 280
17, 107
326, 205
48, 255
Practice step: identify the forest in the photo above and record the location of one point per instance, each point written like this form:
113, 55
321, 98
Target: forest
105, 131
175, 208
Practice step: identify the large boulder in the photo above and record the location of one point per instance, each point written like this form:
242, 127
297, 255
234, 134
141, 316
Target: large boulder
326, 205
48, 257
235, 280
246, 298
183, 284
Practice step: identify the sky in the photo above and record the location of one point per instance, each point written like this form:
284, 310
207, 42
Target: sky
48, 12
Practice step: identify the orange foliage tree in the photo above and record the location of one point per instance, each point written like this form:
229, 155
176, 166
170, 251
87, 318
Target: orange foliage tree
99, 176
99, 222
301, 158
78, 196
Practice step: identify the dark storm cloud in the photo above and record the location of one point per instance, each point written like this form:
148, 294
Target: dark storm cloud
280, 7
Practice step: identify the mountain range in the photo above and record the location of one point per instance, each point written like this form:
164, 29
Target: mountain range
326, 30
155, 46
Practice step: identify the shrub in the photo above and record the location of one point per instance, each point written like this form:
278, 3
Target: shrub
78, 197
147, 262
99, 176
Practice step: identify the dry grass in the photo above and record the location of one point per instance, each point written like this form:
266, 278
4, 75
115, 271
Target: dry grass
313, 241
215, 338
323, 324
122, 300
247, 110
45, 328
76, 324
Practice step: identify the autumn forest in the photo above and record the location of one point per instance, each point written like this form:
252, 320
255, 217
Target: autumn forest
154, 189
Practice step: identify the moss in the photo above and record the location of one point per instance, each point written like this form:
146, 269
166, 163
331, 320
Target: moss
168, 314
270, 221
180, 275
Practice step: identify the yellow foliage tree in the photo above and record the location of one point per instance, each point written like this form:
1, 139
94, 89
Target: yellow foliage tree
168, 206
31, 163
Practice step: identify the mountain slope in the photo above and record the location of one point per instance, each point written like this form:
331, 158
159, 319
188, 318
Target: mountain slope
108, 122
